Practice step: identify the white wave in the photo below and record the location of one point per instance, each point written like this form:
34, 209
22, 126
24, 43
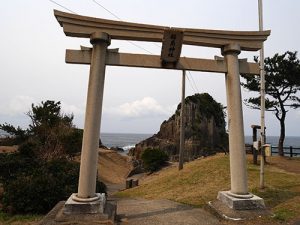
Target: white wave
127, 147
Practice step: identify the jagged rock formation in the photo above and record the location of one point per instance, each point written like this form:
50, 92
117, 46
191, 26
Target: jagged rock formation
204, 130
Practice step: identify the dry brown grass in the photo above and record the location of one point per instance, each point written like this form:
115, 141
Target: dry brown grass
113, 168
8, 149
200, 181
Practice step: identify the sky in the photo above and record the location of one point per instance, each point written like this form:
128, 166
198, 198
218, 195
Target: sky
136, 100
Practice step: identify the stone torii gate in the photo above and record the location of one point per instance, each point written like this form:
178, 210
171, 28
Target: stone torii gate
101, 31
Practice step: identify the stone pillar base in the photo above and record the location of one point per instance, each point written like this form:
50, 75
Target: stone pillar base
76, 206
57, 215
242, 202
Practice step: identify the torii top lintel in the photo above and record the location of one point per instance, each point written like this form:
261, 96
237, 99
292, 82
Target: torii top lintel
83, 26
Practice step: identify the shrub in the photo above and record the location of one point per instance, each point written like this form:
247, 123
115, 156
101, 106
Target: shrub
37, 187
72, 141
153, 159
39, 175
14, 165
29, 148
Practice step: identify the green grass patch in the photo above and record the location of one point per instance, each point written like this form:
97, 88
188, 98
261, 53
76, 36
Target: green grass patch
275, 196
8, 218
284, 215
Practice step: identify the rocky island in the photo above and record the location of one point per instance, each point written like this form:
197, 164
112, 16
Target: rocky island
205, 131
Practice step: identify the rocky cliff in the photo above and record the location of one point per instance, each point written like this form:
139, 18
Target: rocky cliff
204, 130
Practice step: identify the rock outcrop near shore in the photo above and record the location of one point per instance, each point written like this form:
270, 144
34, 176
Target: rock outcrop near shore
205, 131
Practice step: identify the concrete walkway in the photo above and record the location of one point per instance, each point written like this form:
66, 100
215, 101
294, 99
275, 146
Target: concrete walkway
137, 211
162, 212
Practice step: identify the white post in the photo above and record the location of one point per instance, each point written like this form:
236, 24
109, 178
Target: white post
90, 144
262, 99
182, 120
238, 171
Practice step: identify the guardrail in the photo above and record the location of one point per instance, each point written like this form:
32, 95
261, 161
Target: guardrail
292, 151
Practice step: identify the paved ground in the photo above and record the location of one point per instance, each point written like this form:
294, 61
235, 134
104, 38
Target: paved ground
162, 212
135, 211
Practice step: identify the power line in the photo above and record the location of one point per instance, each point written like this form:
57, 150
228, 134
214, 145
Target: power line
190, 83
136, 45
194, 82
110, 12
63, 6
191, 76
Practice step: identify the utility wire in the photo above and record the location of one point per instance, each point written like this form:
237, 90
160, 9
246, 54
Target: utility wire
136, 45
197, 90
62, 6
190, 83
117, 17
113, 14
110, 12
107, 10
194, 81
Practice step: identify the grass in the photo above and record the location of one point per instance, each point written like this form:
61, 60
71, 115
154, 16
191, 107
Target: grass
18, 219
200, 181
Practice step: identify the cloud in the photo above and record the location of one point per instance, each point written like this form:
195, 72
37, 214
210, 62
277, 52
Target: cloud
146, 107
21, 104
17, 105
71, 109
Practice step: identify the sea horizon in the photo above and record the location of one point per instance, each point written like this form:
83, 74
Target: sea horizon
129, 140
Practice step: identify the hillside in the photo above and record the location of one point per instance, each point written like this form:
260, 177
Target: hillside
200, 181
112, 167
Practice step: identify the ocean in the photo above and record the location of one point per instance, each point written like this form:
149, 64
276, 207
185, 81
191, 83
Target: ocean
127, 140
122, 140
273, 140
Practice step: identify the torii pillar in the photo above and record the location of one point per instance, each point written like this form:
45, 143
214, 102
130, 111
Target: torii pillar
238, 197
87, 200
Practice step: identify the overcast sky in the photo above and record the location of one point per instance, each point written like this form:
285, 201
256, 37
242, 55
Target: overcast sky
135, 100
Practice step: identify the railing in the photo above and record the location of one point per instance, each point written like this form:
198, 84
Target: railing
291, 151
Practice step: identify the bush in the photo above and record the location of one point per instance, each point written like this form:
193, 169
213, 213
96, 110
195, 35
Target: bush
153, 159
15, 165
37, 187
72, 141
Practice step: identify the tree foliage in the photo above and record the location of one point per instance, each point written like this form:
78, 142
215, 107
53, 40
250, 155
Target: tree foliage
41, 173
48, 115
34, 186
153, 159
17, 134
51, 134
282, 83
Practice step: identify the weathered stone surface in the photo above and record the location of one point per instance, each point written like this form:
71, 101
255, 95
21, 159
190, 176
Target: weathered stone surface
236, 203
204, 130
57, 217
75, 207
221, 210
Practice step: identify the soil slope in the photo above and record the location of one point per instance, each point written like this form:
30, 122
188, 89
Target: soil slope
112, 167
